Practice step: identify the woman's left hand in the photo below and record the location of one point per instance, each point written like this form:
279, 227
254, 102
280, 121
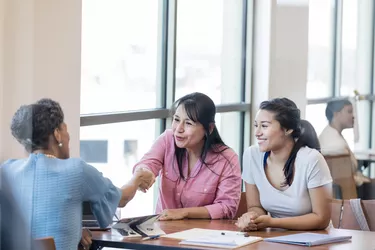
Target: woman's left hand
173, 214
263, 221
86, 239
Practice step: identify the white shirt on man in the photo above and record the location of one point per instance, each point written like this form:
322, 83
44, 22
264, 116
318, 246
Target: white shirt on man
311, 171
333, 143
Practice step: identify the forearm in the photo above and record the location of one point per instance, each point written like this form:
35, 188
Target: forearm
196, 213
128, 192
304, 222
259, 210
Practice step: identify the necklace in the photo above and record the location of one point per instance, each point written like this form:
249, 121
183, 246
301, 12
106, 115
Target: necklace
50, 156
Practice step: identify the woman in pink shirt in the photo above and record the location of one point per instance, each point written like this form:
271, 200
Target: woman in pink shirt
200, 177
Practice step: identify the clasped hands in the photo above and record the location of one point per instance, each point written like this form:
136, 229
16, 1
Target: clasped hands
144, 178
251, 221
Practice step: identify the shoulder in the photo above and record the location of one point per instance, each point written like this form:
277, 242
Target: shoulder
309, 154
253, 152
167, 134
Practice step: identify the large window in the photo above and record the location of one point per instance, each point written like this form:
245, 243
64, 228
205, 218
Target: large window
209, 48
139, 56
351, 33
126, 143
119, 55
321, 46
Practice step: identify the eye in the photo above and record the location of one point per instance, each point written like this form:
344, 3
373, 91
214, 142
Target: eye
255, 125
176, 119
189, 123
264, 126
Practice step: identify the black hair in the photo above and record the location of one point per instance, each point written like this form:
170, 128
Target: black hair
33, 124
289, 116
335, 106
200, 108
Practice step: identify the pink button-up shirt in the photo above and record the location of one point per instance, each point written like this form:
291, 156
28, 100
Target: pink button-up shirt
216, 186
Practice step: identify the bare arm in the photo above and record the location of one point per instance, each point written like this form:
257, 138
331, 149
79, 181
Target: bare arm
318, 219
253, 200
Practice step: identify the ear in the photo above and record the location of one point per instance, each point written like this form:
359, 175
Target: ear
211, 127
288, 132
57, 135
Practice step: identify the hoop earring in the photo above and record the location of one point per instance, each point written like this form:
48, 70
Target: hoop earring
60, 144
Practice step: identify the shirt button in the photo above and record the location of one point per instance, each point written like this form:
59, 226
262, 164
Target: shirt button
166, 173
178, 193
205, 190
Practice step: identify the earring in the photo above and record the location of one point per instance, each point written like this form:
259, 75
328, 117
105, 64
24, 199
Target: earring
60, 144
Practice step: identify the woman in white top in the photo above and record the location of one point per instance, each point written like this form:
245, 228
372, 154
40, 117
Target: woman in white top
288, 183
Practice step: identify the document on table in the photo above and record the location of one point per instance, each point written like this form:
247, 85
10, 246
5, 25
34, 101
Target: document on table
214, 238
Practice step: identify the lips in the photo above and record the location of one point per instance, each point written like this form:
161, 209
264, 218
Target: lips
179, 138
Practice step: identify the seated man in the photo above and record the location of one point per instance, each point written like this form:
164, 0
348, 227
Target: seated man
340, 116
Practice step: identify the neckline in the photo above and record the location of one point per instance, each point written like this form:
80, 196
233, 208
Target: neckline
265, 156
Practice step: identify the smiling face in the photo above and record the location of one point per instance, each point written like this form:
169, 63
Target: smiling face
187, 133
270, 135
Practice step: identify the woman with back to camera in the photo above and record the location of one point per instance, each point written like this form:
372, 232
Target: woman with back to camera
285, 175
50, 186
200, 176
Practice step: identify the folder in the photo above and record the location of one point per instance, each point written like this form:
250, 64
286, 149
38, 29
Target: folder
308, 239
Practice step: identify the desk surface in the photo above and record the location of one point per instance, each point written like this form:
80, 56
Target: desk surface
360, 240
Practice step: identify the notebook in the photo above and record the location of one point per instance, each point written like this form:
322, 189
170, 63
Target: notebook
214, 238
308, 239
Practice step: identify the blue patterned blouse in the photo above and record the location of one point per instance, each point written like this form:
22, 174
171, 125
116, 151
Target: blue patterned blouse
50, 193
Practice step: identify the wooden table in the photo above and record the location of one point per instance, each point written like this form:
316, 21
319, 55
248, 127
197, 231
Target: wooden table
360, 239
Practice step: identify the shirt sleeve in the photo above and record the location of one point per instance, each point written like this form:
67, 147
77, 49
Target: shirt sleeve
318, 173
154, 158
247, 163
103, 196
228, 194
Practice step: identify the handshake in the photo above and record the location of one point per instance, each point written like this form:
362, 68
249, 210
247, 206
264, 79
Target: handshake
144, 178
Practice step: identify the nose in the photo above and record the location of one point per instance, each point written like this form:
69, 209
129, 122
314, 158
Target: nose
258, 131
180, 127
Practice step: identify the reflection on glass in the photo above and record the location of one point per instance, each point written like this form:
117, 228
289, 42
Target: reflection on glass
119, 55
208, 48
320, 62
114, 149
349, 47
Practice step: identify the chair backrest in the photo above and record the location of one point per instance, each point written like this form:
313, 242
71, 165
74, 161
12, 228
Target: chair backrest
342, 175
47, 243
242, 208
342, 211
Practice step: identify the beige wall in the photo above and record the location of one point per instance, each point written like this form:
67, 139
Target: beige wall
40, 50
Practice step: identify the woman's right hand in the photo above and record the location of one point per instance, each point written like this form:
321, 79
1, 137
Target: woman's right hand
145, 177
246, 221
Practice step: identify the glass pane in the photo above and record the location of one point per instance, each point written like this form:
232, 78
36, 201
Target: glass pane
316, 115
349, 47
208, 60
228, 125
119, 55
114, 149
320, 62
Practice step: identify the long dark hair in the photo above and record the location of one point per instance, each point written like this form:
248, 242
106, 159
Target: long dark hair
289, 116
200, 108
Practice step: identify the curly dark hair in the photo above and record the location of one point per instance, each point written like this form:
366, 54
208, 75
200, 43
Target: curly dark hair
33, 124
